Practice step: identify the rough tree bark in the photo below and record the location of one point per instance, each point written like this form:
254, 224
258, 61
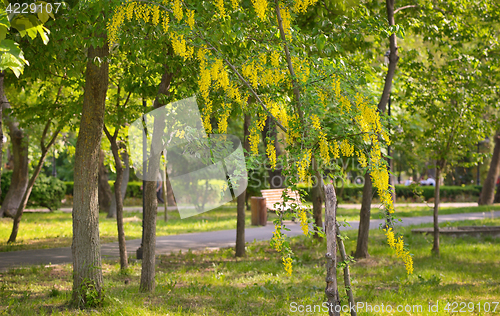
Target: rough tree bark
151, 203
27, 193
276, 180
20, 176
126, 177
364, 219
240, 219
435, 246
3, 101
104, 188
118, 196
317, 199
331, 290
86, 248
488, 191
364, 222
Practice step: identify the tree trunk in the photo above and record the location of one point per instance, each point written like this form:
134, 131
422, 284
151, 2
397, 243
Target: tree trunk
331, 290
317, 201
119, 202
347, 275
126, 177
27, 193
164, 192
364, 219
86, 247
170, 194
488, 191
3, 101
240, 219
276, 180
435, 247
104, 188
151, 203
20, 176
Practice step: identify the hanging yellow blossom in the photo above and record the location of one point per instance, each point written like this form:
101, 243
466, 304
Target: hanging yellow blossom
315, 122
235, 4
361, 159
335, 150
287, 19
302, 5
220, 7
277, 240
178, 10
271, 154
262, 121
275, 58
287, 262
323, 147
346, 148
304, 224
156, 15
260, 7
190, 18
165, 21
254, 140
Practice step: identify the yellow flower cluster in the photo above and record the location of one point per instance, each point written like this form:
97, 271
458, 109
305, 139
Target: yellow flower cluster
178, 10
398, 245
180, 134
302, 5
260, 7
226, 108
165, 21
287, 262
345, 105
220, 7
206, 116
335, 150
271, 154
275, 58
362, 159
301, 68
190, 18
346, 148
156, 15
277, 239
254, 140
304, 164
324, 151
179, 46
249, 72
336, 87
322, 97
262, 121
304, 224
235, 4
315, 122
287, 19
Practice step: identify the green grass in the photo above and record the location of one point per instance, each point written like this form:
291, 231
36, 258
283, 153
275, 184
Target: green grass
353, 214
49, 230
215, 283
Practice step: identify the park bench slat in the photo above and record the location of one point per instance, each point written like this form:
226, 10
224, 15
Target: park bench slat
274, 196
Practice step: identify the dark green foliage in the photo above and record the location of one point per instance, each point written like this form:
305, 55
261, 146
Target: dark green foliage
47, 192
410, 192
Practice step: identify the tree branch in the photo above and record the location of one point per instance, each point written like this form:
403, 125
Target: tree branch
405, 7
295, 84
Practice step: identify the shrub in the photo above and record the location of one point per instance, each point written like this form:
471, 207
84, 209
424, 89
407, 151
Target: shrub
47, 191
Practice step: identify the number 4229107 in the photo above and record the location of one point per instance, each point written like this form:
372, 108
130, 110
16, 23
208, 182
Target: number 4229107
38, 7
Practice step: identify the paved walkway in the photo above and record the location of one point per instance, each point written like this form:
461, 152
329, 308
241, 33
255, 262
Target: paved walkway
348, 206
200, 241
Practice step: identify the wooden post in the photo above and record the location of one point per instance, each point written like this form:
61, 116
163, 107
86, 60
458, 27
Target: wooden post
331, 290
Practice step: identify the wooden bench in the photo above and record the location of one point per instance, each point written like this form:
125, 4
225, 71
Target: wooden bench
273, 196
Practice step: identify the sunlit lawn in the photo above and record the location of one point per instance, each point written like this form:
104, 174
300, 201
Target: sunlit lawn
49, 230
215, 283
